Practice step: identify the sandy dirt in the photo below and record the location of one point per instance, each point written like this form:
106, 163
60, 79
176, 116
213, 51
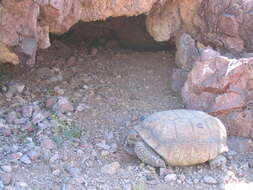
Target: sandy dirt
110, 90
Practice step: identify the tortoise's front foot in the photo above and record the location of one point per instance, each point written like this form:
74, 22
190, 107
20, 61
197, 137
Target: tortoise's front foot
147, 155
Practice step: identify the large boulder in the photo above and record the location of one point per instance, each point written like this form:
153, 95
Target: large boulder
225, 24
163, 20
18, 31
25, 25
223, 87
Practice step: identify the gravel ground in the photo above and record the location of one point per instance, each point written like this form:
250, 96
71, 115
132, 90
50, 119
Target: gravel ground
64, 120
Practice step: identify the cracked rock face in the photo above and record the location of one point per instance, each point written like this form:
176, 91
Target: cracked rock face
225, 24
25, 25
223, 87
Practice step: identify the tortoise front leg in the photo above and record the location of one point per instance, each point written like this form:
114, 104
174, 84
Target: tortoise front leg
147, 155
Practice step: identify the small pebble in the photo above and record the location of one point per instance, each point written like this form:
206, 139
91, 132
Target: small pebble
105, 153
38, 117
59, 90
222, 186
25, 159
81, 107
6, 178
189, 181
92, 188
232, 153
6, 168
64, 105
170, 177
56, 172
21, 121
48, 144
64, 187
79, 179
74, 172
11, 117
250, 163
27, 110
22, 184
182, 177
1, 185
71, 60
20, 87
14, 148
209, 180
103, 145
195, 180
34, 154
111, 168
44, 124
219, 161
94, 51
15, 156
50, 102
54, 158
164, 171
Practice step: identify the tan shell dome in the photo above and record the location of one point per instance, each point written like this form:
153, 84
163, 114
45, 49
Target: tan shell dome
184, 137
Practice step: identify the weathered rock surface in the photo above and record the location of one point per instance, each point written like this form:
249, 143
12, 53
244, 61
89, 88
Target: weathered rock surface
223, 87
225, 24
187, 52
25, 25
163, 21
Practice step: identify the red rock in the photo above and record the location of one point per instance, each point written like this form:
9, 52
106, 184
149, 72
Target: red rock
240, 123
25, 25
47, 144
27, 110
240, 144
227, 103
250, 84
222, 87
34, 154
64, 105
15, 156
229, 25
71, 60
50, 102
19, 26
6, 178
236, 44
5, 132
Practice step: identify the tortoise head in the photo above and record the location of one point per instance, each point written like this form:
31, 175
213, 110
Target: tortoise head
130, 140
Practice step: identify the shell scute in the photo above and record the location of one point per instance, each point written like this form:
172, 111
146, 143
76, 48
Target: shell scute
184, 137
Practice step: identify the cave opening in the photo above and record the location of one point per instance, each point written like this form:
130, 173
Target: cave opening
124, 32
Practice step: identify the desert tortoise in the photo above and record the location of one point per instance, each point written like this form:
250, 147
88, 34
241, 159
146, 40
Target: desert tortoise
177, 137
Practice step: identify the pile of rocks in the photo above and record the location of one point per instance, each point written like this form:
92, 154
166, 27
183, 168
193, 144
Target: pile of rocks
223, 87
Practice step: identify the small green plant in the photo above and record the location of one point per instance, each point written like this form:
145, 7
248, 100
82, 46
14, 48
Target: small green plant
64, 131
59, 124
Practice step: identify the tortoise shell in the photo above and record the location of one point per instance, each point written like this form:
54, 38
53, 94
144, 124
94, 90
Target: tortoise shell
184, 137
